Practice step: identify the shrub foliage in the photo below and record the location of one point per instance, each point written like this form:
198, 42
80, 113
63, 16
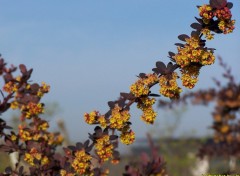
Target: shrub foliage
35, 146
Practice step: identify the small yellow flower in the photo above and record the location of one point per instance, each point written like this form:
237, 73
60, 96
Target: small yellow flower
14, 105
142, 85
13, 137
127, 137
33, 154
43, 126
91, 118
81, 162
32, 109
104, 148
206, 13
190, 76
10, 87
119, 117
169, 87
207, 33
102, 120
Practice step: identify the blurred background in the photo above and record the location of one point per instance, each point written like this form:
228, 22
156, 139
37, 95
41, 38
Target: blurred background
90, 51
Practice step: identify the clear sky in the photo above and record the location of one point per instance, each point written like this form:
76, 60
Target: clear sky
89, 51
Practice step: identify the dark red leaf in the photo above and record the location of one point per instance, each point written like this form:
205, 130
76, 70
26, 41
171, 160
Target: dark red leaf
113, 137
156, 70
89, 148
160, 65
171, 67
171, 54
105, 131
73, 148
229, 5
179, 44
108, 114
79, 145
121, 103
34, 88
142, 75
183, 37
8, 77
199, 20
154, 95
8, 127
98, 129
218, 4
111, 104
128, 96
116, 155
195, 33
196, 26
22, 68
86, 143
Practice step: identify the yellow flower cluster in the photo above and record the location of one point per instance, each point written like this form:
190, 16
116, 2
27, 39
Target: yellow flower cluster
32, 109
149, 115
34, 154
43, 89
226, 26
190, 76
191, 52
91, 118
141, 86
104, 148
53, 138
206, 13
119, 117
150, 79
14, 105
43, 126
25, 134
10, 87
127, 137
65, 173
207, 33
168, 85
102, 121
223, 14
82, 162
13, 137
94, 118
146, 101
28, 134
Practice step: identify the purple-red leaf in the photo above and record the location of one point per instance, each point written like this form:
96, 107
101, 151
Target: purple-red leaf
196, 26
22, 68
142, 75
128, 96
154, 95
160, 65
111, 104
229, 5
183, 37
218, 4
179, 44
171, 54
86, 143
113, 137
79, 145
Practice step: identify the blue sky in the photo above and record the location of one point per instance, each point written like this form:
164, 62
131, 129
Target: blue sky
89, 51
